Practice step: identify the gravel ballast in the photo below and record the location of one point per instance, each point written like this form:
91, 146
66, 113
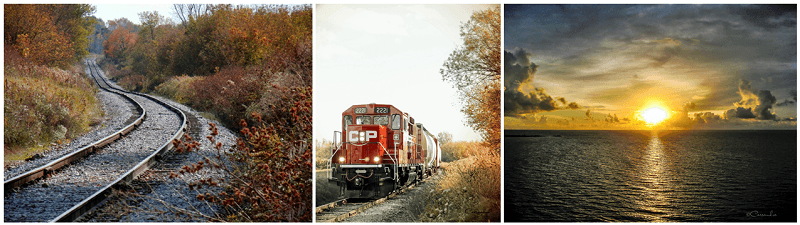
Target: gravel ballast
158, 198
47, 198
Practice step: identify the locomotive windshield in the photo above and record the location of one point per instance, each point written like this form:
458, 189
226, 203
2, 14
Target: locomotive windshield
363, 120
347, 121
382, 120
396, 122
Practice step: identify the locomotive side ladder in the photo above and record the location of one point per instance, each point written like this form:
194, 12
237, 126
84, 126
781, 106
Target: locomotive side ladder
336, 145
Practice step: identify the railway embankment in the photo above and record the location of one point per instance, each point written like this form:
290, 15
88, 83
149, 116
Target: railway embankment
468, 190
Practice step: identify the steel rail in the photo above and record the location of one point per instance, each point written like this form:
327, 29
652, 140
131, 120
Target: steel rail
99, 196
340, 216
87, 204
65, 160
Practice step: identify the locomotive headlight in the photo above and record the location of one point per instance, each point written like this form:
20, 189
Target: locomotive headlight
341, 159
362, 136
377, 159
396, 137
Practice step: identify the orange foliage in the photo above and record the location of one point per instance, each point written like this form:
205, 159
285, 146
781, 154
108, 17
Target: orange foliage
228, 93
30, 29
271, 36
474, 69
48, 34
270, 179
243, 61
119, 43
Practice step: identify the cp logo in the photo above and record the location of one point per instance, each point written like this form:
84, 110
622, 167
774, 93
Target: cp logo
353, 135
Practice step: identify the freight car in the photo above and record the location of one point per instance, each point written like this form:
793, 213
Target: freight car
379, 150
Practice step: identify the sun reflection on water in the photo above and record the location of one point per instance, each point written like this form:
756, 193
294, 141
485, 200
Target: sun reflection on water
654, 203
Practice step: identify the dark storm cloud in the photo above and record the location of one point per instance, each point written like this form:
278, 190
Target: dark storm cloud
565, 30
739, 112
517, 71
573, 25
768, 16
763, 101
754, 104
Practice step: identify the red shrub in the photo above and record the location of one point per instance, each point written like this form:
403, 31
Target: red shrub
270, 178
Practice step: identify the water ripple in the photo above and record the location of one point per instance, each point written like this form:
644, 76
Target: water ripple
651, 176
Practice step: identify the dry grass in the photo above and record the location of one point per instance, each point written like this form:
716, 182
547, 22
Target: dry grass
323, 154
452, 151
469, 190
177, 88
44, 105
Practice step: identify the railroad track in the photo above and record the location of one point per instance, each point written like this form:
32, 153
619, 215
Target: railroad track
342, 209
65, 188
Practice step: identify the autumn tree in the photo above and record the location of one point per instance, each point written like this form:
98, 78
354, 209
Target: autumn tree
151, 56
119, 43
75, 21
48, 34
122, 23
474, 69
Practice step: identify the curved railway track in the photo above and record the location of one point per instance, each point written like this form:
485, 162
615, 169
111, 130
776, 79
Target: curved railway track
65, 188
342, 209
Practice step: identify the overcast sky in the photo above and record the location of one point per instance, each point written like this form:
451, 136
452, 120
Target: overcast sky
388, 54
613, 60
131, 11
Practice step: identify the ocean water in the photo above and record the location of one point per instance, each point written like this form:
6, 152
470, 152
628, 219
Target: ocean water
669, 176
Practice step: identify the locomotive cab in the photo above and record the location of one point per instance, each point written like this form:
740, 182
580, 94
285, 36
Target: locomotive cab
378, 151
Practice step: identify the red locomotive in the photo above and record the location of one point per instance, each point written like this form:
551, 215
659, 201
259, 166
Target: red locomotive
379, 150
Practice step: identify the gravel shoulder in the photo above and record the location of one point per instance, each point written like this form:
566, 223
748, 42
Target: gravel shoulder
406, 207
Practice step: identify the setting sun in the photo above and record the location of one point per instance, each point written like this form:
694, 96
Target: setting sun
654, 115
